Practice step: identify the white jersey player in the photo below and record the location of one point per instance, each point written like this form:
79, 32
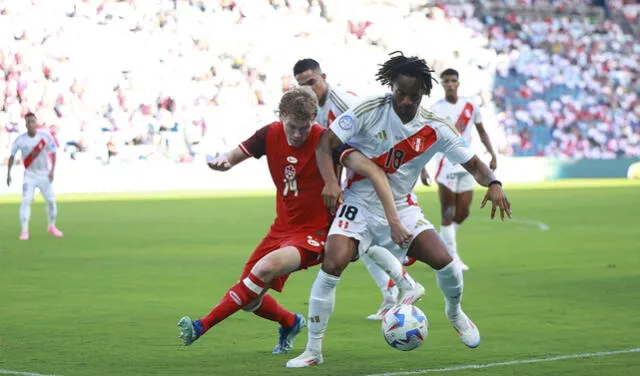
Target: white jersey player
36, 148
400, 137
455, 184
332, 103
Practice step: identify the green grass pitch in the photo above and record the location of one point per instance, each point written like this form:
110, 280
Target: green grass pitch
105, 299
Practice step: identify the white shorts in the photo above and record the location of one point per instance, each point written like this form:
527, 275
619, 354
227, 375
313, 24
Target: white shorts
32, 181
355, 221
454, 177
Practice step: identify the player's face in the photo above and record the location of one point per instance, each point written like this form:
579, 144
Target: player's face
450, 84
31, 123
296, 131
407, 95
314, 80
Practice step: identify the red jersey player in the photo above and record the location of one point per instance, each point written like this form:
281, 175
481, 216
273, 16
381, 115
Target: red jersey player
296, 238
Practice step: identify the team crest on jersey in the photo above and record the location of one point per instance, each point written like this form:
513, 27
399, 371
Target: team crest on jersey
291, 159
290, 172
346, 122
418, 145
290, 183
313, 242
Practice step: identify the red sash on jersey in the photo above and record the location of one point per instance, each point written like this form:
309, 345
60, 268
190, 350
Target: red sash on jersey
34, 153
330, 118
465, 116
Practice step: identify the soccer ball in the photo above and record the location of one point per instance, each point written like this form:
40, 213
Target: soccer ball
405, 327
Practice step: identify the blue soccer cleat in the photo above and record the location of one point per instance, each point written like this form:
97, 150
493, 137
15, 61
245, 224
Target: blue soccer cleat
190, 330
287, 335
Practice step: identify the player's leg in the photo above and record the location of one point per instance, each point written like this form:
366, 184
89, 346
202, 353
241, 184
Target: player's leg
429, 248
339, 251
46, 188
463, 206
274, 270
409, 290
448, 200
28, 189
240, 295
385, 284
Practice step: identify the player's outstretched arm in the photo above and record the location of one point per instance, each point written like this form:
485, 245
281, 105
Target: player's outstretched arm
225, 161
485, 177
486, 141
331, 193
11, 160
362, 165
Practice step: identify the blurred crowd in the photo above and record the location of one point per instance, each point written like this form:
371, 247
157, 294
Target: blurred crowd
171, 79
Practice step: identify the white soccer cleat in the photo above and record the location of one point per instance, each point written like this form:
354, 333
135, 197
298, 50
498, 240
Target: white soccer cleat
411, 296
306, 359
466, 329
461, 264
384, 308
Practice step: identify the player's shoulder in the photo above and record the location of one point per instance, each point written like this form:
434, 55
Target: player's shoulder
439, 103
438, 123
371, 105
341, 99
470, 101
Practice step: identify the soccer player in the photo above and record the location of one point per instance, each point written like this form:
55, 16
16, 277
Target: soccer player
400, 137
297, 237
36, 147
333, 102
455, 184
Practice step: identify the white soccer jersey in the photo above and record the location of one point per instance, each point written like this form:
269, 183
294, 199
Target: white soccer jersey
337, 102
464, 115
35, 151
402, 150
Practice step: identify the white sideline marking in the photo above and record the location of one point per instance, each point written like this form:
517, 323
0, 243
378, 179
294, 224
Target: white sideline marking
540, 225
509, 363
10, 372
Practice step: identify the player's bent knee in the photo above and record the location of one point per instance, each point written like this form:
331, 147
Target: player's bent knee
27, 201
334, 266
461, 215
253, 305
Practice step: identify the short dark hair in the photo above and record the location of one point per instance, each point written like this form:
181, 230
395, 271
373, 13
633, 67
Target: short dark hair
450, 72
299, 103
409, 66
305, 65
29, 114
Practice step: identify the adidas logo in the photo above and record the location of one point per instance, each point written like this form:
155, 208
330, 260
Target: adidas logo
382, 135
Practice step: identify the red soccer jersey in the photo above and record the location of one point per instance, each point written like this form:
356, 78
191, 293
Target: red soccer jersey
294, 171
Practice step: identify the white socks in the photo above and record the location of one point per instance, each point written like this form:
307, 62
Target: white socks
25, 214
391, 266
386, 285
321, 303
451, 284
52, 212
449, 236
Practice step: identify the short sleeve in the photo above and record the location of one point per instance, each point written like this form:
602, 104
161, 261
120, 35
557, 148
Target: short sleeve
346, 126
477, 116
15, 146
454, 147
256, 145
51, 143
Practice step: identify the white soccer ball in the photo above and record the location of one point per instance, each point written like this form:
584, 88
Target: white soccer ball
405, 327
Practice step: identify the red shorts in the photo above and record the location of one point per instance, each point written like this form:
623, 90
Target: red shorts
308, 244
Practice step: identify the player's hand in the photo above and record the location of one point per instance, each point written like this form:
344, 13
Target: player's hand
8, 181
50, 176
498, 200
494, 163
332, 196
425, 178
219, 162
399, 234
